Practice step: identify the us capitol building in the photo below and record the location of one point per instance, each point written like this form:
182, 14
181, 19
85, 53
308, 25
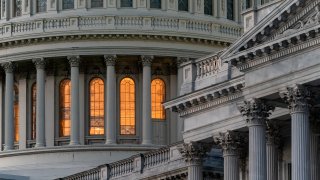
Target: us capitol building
160, 89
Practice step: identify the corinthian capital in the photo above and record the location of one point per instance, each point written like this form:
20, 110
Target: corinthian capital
74, 61
110, 60
147, 60
229, 142
194, 152
297, 97
39, 63
272, 133
255, 112
8, 67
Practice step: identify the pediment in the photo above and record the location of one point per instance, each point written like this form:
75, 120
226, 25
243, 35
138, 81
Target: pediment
290, 18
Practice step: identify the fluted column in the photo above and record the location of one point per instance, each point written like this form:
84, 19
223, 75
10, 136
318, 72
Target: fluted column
110, 88
298, 99
255, 112
40, 102
74, 136
229, 142
8, 112
146, 100
272, 151
194, 152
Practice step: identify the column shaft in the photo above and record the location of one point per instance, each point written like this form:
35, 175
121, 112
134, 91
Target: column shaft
314, 156
231, 167
195, 172
300, 146
40, 103
110, 102
146, 101
272, 162
74, 136
9, 98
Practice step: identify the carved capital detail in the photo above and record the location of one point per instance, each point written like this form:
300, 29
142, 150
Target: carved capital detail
181, 60
229, 142
146, 60
40, 63
110, 60
255, 112
272, 133
8, 67
298, 98
74, 61
194, 152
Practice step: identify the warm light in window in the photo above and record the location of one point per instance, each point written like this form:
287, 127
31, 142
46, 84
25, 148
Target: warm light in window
158, 93
33, 120
96, 106
65, 105
16, 113
127, 107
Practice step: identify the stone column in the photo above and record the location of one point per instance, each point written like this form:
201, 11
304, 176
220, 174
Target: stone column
194, 152
298, 99
146, 100
75, 135
272, 151
40, 103
255, 112
110, 102
8, 112
229, 142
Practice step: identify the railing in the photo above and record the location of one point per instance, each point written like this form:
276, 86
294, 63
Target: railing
157, 157
208, 66
119, 22
121, 168
92, 174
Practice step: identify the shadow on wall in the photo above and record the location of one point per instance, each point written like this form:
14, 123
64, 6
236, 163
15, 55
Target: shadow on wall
13, 177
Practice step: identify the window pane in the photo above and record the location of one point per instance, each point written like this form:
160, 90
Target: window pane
65, 105
230, 9
126, 3
68, 4
155, 4
41, 5
16, 113
127, 107
183, 5
96, 107
33, 118
208, 9
96, 3
158, 94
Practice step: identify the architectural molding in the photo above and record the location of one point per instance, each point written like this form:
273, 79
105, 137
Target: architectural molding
194, 152
229, 142
147, 60
8, 67
74, 61
39, 63
110, 60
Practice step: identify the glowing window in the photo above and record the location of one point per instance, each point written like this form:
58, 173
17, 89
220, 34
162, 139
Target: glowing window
96, 3
158, 93
96, 106
16, 113
67, 4
41, 5
127, 107
65, 105
33, 105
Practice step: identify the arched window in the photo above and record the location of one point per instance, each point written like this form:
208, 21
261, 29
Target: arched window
16, 113
155, 4
67, 4
33, 106
208, 7
126, 3
183, 5
96, 106
65, 105
127, 107
17, 8
41, 5
96, 3
230, 7
158, 93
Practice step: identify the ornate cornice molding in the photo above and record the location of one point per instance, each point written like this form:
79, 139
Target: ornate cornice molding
255, 112
298, 98
74, 61
110, 60
39, 63
194, 152
8, 67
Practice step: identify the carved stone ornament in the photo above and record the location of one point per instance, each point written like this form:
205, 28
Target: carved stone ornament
272, 133
181, 60
74, 61
8, 67
297, 97
146, 60
255, 112
110, 60
40, 63
229, 142
194, 152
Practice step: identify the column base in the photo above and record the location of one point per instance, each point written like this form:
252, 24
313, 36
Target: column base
74, 143
7, 148
39, 145
146, 142
110, 142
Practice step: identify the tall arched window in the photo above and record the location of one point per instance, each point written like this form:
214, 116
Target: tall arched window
33, 105
208, 7
127, 107
16, 113
41, 5
67, 4
230, 7
65, 105
158, 93
155, 4
96, 106
183, 5
126, 3
96, 3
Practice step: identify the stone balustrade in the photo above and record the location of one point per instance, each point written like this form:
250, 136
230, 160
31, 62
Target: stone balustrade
208, 66
157, 157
